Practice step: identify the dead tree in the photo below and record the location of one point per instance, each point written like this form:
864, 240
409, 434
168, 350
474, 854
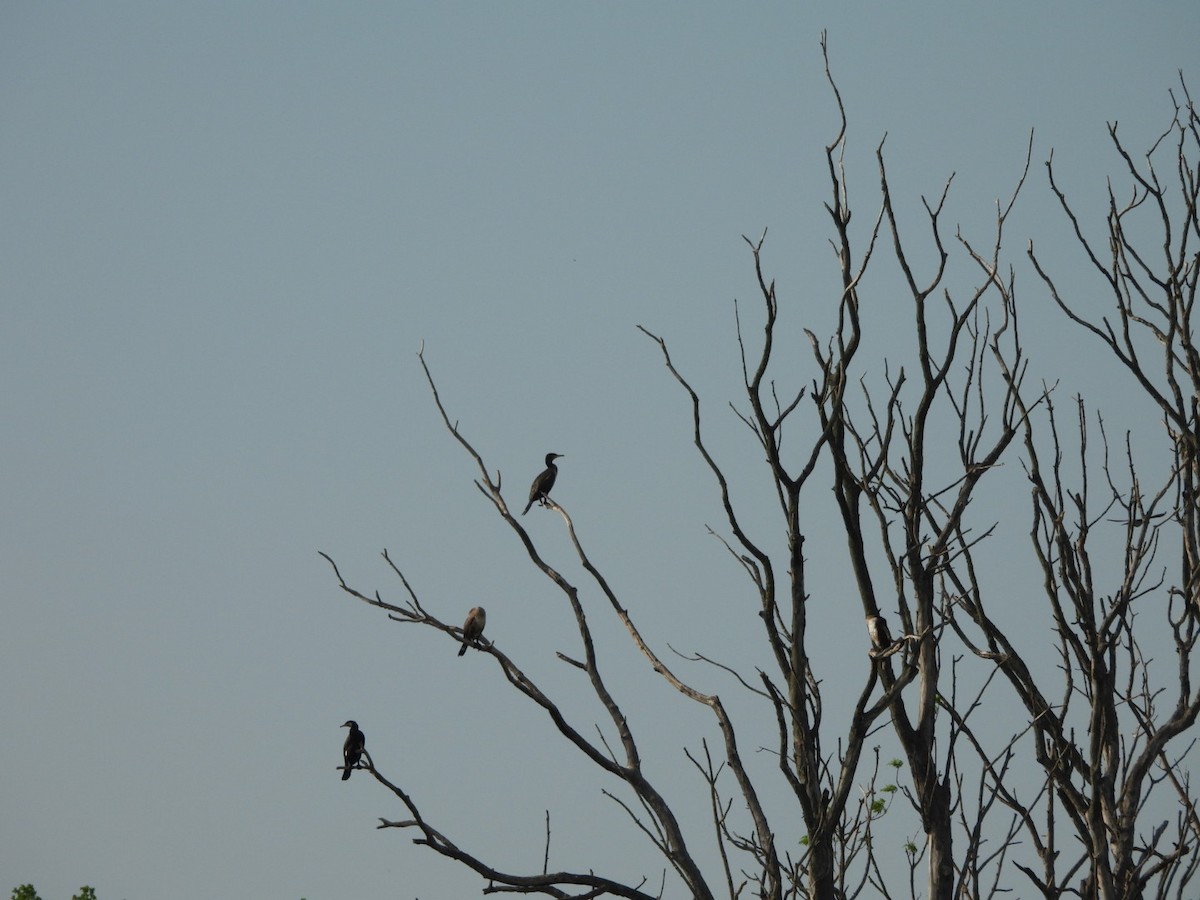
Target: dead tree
906, 446
1120, 731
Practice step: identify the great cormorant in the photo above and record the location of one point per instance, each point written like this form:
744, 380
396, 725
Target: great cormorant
540, 489
473, 627
352, 750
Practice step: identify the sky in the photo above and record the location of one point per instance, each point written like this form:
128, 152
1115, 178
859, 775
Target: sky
226, 229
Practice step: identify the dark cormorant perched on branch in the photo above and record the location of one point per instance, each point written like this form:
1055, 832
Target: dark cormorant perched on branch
540, 489
352, 750
472, 628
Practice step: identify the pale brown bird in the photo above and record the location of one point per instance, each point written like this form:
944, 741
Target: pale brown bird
473, 627
540, 489
352, 750
881, 638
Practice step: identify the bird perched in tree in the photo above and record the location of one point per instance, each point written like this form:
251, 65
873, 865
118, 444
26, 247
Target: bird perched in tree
540, 489
473, 627
881, 638
352, 750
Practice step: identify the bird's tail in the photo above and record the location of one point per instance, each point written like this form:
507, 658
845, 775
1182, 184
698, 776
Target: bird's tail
462, 649
526, 509
346, 773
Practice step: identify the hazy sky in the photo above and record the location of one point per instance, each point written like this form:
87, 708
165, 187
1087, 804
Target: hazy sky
225, 231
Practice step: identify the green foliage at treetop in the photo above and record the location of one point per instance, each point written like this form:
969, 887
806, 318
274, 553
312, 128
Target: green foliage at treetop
28, 892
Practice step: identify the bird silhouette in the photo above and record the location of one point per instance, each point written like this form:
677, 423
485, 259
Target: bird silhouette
540, 489
473, 627
352, 750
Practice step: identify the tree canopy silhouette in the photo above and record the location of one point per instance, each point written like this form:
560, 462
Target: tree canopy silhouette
1041, 748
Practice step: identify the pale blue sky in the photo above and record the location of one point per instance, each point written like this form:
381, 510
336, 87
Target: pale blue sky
225, 230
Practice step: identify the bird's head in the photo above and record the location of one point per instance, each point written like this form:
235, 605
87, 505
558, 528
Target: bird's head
351, 724
551, 457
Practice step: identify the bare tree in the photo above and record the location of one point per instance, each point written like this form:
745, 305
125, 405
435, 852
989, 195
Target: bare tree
1128, 723
1061, 801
